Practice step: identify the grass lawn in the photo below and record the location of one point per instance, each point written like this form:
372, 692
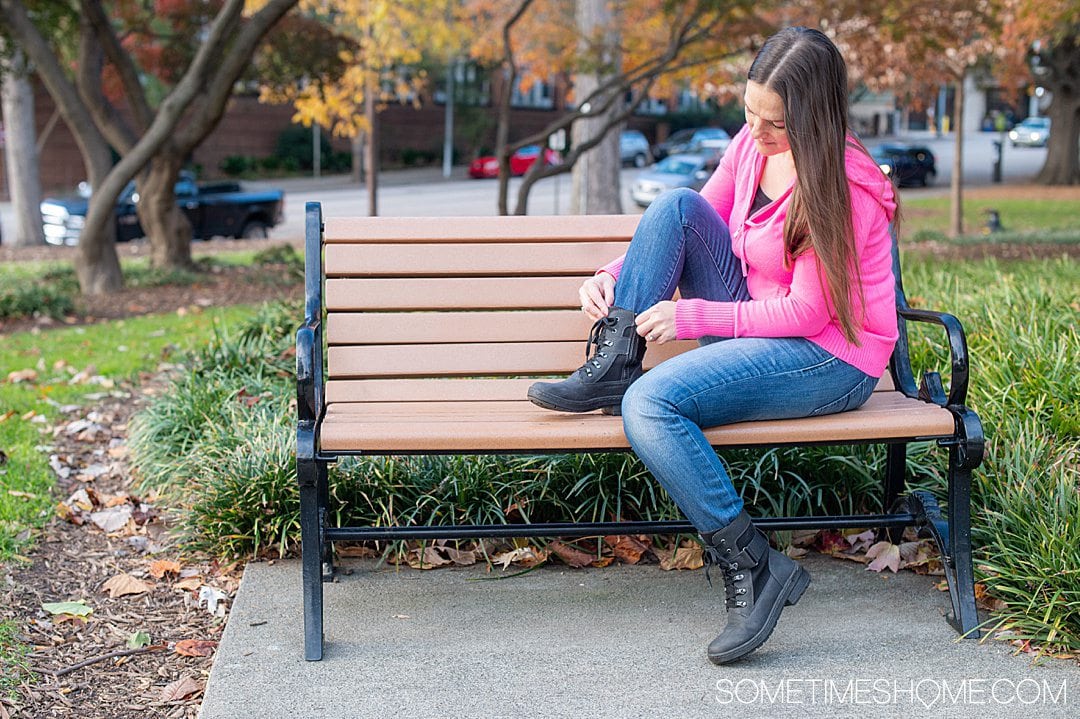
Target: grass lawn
119, 351
1045, 212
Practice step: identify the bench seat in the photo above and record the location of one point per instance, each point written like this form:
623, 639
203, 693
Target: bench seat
520, 426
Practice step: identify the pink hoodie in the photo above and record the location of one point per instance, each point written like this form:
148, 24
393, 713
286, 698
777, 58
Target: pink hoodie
793, 302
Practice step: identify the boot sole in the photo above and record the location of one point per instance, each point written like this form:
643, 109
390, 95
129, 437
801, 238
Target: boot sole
795, 587
610, 405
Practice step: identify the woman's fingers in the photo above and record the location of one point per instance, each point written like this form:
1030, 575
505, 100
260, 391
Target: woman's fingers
657, 324
593, 299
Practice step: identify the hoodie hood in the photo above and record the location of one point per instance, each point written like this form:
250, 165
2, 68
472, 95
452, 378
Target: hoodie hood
864, 174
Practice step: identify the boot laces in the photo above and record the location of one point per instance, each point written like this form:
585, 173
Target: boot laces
731, 573
596, 340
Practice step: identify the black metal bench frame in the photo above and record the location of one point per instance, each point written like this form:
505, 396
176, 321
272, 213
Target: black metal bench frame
951, 532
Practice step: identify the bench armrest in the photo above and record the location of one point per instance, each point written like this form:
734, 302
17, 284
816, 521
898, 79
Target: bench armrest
930, 388
309, 372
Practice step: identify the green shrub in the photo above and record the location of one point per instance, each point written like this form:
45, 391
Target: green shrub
29, 299
235, 165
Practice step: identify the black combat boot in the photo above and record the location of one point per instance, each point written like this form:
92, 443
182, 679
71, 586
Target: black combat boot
758, 581
613, 361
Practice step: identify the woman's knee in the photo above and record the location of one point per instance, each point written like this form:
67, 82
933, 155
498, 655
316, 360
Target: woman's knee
644, 408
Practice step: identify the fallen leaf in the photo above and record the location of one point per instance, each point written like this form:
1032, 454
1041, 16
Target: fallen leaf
160, 567
112, 519
795, 552
73, 609
460, 557
138, 640
190, 584
682, 558
214, 599
195, 647
626, 548
525, 556
861, 541
180, 689
571, 556
884, 554
124, 584
22, 375
427, 558
7, 415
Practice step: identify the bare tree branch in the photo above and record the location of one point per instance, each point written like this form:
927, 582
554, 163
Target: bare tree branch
215, 96
93, 11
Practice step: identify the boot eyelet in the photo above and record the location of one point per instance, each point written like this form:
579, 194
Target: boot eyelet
740, 590
734, 565
738, 577
740, 604
727, 551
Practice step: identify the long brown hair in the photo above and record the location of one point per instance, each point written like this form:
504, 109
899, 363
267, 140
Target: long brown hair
806, 70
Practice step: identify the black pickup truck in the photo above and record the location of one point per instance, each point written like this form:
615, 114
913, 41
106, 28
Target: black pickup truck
214, 209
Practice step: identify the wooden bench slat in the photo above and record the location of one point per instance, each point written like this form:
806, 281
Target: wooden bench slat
358, 391
435, 327
521, 426
482, 358
453, 293
469, 259
525, 228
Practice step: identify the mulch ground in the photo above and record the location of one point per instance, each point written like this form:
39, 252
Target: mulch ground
110, 549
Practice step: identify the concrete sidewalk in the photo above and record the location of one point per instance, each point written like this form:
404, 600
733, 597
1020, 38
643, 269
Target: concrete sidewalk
614, 642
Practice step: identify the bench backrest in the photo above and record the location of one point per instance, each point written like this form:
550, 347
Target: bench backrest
463, 297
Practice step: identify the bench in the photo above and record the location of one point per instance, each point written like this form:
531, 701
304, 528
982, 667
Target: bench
425, 355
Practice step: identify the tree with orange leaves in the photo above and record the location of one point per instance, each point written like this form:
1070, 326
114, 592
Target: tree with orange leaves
912, 47
1042, 41
657, 46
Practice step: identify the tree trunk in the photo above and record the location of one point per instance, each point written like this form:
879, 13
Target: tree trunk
1062, 166
1060, 63
98, 266
356, 143
595, 189
371, 152
20, 153
956, 204
166, 226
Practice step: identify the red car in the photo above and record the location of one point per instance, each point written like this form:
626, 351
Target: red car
520, 162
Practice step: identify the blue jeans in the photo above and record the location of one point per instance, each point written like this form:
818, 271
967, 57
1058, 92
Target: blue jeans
682, 242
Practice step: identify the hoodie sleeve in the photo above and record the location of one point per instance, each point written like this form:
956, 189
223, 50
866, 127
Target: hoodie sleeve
802, 312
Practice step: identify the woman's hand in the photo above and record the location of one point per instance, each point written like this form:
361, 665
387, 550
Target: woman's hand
657, 324
597, 294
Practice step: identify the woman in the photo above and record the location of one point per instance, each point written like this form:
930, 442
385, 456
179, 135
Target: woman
785, 255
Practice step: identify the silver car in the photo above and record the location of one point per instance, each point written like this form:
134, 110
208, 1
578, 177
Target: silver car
685, 170
1032, 132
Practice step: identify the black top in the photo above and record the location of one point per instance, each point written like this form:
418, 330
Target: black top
760, 200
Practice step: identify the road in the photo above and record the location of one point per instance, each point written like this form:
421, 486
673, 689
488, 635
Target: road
424, 192
427, 193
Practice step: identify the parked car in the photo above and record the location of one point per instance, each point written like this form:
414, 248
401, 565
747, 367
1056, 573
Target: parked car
693, 140
683, 170
214, 209
1032, 132
906, 165
633, 148
520, 162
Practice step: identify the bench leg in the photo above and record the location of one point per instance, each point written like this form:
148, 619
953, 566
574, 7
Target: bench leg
328, 569
895, 480
965, 617
311, 535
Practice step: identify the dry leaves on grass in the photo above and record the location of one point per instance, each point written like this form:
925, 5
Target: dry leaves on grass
160, 567
123, 585
195, 647
181, 689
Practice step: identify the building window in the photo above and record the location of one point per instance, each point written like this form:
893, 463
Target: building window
472, 86
540, 96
